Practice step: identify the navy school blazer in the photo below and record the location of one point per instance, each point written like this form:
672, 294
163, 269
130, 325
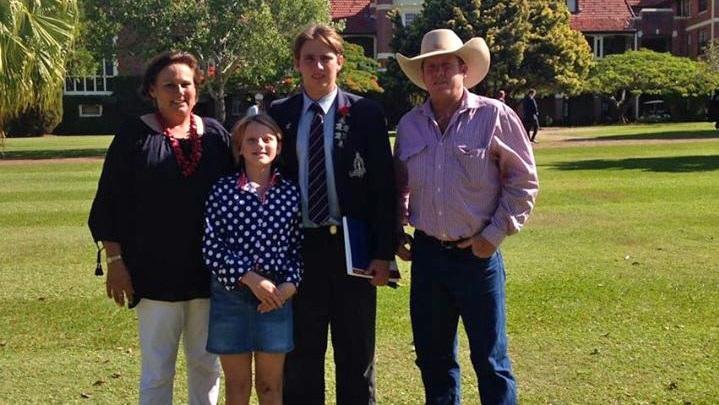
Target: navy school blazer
364, 171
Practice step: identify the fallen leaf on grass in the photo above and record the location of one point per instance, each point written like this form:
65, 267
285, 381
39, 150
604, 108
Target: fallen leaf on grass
85, 395
116, 375
672, 386
98, 383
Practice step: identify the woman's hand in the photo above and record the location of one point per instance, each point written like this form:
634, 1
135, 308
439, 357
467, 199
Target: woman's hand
264, 289
119, 283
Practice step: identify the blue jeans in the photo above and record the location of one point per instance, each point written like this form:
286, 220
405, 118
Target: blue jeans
447, 284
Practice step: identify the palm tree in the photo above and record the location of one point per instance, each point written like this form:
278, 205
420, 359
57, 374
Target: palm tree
35, 39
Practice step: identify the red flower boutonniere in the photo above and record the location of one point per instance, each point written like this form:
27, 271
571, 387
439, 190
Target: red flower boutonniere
341, 126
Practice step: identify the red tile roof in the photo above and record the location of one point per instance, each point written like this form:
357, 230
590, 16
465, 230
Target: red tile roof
357, 14
603, 16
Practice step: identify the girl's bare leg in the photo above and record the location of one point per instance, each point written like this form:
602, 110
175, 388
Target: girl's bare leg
268, 377
238, 378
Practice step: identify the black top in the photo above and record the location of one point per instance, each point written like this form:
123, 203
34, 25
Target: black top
531, 110
144, 203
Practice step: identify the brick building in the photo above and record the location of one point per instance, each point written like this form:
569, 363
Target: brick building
682, 27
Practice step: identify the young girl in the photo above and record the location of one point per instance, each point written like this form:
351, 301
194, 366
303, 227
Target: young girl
252, 246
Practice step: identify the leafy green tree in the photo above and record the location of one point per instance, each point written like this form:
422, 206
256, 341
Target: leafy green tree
633, 73
531, 45
239, 43
359, 72
558, 59
35, 38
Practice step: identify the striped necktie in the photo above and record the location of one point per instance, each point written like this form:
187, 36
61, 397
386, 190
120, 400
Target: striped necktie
318, 206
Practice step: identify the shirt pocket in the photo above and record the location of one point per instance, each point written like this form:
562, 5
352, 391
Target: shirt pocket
472, 162
417, 159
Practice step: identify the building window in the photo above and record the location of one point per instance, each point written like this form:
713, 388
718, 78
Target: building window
409, 18
572, 6
237, 107
703, 5
702, 41
100, 84
90, 110
613, 45
367, 44
685, 8
597, 45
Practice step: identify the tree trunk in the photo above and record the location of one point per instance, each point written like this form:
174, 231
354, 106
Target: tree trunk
220, 110
216, 89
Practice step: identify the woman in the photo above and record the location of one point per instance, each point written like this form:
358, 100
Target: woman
148, 213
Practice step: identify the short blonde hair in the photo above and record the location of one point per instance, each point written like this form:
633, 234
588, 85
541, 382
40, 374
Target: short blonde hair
238, 131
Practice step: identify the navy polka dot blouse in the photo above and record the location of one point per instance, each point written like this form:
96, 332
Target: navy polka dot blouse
245, 231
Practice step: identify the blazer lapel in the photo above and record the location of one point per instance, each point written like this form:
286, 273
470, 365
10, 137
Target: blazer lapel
340, 146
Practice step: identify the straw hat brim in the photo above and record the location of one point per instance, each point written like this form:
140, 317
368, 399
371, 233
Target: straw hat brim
474, 53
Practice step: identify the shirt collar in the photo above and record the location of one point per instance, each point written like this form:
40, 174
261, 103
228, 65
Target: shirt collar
469, 100
325, 102
243, 183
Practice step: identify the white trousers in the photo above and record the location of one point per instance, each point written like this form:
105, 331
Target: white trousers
161, 325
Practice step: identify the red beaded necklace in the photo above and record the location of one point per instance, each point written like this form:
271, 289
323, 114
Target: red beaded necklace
187, 167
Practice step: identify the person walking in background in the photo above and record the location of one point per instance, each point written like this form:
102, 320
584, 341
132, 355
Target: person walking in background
713, 109
257, 107
148, 215
531, 115
501, 96
252, 246
337, 149
467, 180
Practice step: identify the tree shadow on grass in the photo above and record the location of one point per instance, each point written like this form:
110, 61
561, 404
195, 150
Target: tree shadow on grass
677, 164
53, 154
665, 136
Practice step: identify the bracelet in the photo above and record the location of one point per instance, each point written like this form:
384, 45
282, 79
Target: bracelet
113, 259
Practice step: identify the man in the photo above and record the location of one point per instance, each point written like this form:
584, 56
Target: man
713, 109
467, 179
354, 178
531, 114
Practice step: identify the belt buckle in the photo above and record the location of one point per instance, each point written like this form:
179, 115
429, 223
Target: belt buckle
447, 244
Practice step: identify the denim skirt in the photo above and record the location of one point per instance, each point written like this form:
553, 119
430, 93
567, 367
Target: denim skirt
237, 327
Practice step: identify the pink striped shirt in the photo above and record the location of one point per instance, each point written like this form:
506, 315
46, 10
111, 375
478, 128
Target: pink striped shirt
477, 177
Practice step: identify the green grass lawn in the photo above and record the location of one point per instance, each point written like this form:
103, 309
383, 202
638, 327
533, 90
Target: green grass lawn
612, 285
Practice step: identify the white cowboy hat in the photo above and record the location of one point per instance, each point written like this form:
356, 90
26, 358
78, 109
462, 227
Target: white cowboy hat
474, 53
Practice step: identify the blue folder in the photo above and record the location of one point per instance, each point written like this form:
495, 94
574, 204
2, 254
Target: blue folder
357, 250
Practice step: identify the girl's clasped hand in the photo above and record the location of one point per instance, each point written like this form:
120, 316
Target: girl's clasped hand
271, 297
